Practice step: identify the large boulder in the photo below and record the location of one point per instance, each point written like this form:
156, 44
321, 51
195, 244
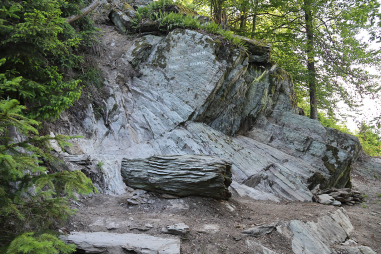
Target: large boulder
180, 175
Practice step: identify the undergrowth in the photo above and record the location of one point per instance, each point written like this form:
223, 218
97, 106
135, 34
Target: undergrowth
171, 20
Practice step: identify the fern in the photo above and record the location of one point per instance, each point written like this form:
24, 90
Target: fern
169, 21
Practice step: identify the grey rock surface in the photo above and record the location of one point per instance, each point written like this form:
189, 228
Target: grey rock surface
325, 199
261, 230
191, 94
368, 167
177, 229
318, 237
258, 248
329, 150
181, 175
102, 242
355, 250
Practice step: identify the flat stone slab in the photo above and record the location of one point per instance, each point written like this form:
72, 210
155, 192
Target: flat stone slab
103, 242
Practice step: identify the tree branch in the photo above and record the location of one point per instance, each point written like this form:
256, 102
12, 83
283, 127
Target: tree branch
84, 11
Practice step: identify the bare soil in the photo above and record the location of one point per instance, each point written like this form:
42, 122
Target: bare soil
225, 219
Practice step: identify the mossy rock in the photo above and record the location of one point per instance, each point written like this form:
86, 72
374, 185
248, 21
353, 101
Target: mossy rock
256, 47
181, 9
126, 8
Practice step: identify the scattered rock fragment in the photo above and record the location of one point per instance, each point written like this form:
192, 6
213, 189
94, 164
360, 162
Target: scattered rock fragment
325, 199
177, 229
337, 197
168, 196
208, 228
146, 227
139, 197
112, 225
261, 230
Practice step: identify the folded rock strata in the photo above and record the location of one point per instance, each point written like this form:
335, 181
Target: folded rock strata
195, 94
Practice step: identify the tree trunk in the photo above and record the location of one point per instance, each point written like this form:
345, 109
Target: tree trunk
255, 9
218, 12
243, 18
84, 11
310, 57
180, 175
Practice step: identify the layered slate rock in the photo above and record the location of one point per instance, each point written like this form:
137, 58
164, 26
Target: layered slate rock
102, 242
192, 93
329, 150
368, 167
180, 175
323, 236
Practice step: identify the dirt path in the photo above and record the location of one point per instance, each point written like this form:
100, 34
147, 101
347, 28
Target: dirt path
215, 226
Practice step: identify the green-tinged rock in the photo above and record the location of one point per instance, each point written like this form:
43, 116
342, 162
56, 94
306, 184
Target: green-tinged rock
128, 10
121, 20
256, 47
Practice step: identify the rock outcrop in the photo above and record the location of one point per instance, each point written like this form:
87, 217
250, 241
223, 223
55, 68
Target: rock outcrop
187, 92
330, 232
368, 167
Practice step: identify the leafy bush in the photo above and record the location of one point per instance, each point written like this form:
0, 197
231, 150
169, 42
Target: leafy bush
370, 140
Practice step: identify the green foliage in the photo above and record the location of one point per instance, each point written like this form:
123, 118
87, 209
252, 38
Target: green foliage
39, 46
31, 199
170, 20
151, 10
173, 20
43, 244
92, 76
370, 140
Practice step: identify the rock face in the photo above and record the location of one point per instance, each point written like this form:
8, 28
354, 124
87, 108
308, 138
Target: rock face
328, 149
368, 167
102, 242
181, 175
191, 93
322, 237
